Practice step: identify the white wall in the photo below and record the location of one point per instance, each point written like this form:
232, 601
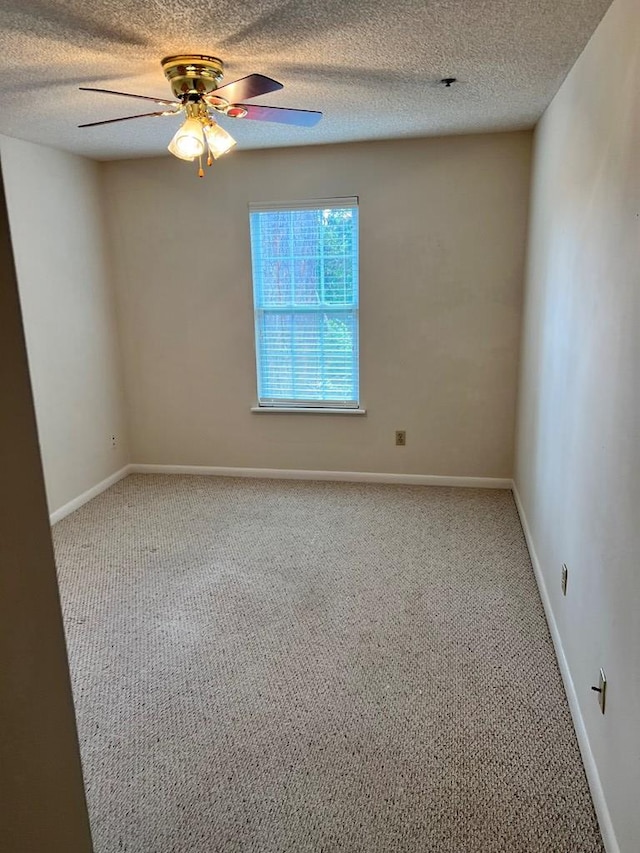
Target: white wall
578, 442
57, 230
442, 232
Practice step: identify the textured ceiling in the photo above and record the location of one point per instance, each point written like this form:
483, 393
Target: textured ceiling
372, 68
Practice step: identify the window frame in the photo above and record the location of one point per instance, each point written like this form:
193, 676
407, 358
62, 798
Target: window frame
274, 404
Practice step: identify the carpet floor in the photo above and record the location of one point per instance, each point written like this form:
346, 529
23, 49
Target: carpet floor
263, 666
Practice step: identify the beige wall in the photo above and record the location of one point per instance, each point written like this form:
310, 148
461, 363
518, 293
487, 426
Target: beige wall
67, 301
442, 230
42, 806
578, 460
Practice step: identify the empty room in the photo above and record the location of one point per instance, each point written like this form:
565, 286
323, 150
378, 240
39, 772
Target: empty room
320, 377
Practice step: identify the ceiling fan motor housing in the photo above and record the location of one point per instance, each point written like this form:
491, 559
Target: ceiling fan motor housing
193, 74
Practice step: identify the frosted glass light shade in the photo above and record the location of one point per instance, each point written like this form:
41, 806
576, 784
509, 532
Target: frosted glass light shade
188, 143
218, 140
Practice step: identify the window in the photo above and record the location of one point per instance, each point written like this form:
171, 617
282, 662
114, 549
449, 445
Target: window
305, 288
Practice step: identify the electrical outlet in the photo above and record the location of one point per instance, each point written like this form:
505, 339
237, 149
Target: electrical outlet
114, 441
401, 438
601, 690
565, 576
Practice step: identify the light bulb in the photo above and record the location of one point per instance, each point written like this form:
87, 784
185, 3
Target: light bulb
188, 143
218, 140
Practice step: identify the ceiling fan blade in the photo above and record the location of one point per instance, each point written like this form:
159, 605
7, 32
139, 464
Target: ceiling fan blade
124, 118
248, 87
283, 115
128, 95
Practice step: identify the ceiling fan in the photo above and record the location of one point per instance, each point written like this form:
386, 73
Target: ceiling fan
195, 81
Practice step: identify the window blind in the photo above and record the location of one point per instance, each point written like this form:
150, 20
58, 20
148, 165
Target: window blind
305, 286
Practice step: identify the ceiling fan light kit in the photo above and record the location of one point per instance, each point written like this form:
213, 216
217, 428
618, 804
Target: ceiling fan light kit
195, 81
188, 143
218, 140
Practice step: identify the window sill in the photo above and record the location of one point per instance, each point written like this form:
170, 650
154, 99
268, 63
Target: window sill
300, 410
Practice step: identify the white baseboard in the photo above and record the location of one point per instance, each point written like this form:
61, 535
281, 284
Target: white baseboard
591, 769
279, 474
346, 476
85, 497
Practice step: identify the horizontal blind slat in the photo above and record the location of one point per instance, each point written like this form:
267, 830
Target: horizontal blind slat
305, 204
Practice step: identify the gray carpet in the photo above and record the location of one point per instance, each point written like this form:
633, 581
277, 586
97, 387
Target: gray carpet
264, 666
